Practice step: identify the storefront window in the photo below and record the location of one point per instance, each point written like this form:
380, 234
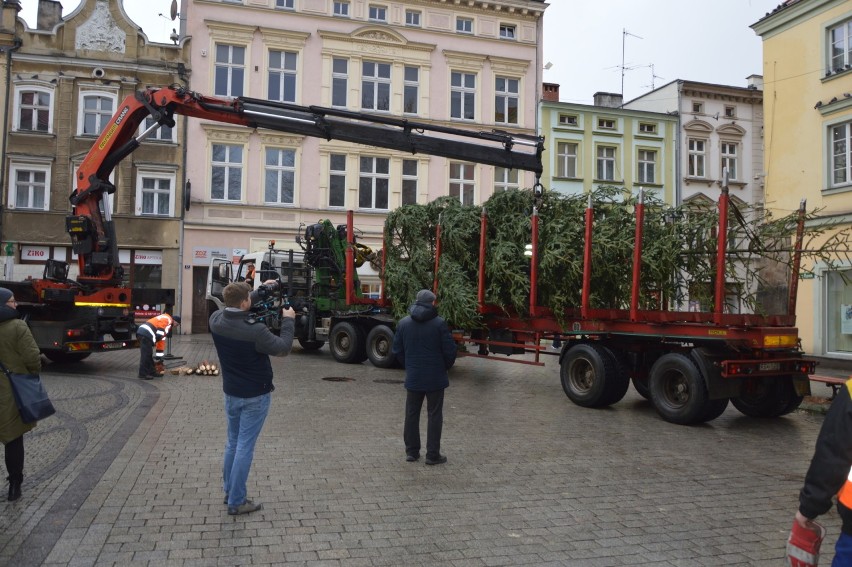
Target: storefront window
839, 313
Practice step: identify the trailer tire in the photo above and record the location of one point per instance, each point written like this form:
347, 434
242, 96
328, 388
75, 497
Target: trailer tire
379, 347
309, 345
583, 372
768, 398
61, 357
347, 343
678, 390
714, 408
642, 388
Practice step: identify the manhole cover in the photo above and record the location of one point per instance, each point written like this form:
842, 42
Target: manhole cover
388, 381
338, 379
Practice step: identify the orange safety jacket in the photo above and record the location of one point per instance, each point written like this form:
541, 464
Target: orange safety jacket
158, 328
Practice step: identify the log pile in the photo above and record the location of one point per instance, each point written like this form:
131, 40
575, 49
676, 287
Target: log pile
203, 368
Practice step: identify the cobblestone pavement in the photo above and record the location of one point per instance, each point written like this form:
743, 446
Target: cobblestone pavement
128, 473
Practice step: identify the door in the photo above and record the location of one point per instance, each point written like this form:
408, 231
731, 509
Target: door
200, 311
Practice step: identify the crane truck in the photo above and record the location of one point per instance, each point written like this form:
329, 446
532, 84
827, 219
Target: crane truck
689, 364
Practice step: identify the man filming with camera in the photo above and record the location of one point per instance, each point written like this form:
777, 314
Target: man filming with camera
244, 344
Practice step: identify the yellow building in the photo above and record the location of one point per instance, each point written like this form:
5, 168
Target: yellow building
807, 69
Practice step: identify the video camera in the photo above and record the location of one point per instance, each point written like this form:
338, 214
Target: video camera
268, 302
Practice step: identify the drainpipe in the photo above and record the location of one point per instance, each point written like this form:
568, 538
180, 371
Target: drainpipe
16, 46
184, 181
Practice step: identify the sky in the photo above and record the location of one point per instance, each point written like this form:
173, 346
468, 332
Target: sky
699, 40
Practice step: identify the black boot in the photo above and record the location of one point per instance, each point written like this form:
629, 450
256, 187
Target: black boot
14, 490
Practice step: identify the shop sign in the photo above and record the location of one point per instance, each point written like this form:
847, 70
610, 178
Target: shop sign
237, 254
201, 255
35, 253
150, 257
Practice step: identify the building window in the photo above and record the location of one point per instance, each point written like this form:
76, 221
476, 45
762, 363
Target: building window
227, 172
697, 107
378, 13
412, 18
462, 95
462, 178
286, 4
606, 163
154, 194
411, 90
841, 154
505, 179
730, 112
409, 181
230, 70
506, 100
282, 76
464, 25
696, 157
337, 180
279, 176
647, 128
729, 159
339, 81
373, 183
97, 111
33, 110
566, 159
568, 120
30, 186
507, 31
840, 46
375, 86
647, 166
341, 9
163, 133
606, 124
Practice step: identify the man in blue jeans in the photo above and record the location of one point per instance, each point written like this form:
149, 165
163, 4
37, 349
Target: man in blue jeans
244, 346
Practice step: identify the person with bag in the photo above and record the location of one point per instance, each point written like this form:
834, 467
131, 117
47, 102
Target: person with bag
152, 334
19, 353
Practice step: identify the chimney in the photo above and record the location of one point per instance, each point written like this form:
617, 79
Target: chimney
550, 92
755, 82
608, 100
49, 14
7, 21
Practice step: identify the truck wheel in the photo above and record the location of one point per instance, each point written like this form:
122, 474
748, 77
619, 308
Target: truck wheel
642, 388
583, 372
347, 343
678, 391
61, 357
767, 397
617, 379
309, 345
714, 409
379, 343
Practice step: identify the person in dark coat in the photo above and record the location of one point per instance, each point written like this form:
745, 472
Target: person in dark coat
20, 354
425, 348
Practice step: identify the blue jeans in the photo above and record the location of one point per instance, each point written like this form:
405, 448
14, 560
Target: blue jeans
245, 420
843, 551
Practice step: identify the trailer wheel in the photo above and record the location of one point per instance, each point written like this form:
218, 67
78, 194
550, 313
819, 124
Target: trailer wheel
61, 357
641, 387
714, 409
678, 391
309, 345
583, 372
379, 343
768, 397
347, 344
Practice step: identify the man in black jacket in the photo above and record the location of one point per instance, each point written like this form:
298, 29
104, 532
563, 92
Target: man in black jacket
425, 348
244, 346
830, 474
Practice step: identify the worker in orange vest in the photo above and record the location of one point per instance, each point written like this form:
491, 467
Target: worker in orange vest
152, 333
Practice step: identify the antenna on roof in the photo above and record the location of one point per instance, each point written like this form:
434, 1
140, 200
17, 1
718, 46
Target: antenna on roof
624, 34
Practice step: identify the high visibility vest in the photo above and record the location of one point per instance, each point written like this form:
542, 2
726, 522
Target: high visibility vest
845, 494
158, 328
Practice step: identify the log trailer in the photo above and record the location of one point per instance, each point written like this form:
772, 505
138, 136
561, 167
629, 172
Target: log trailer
689, 364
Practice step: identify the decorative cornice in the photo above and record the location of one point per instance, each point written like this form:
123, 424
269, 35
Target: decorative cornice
698, 126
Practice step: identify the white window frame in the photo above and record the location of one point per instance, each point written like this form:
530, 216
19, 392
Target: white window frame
840, 152
227, 165
340, 9
282, 73
697, 158
336, 175
730, 159
143, 174
568, 120
697, 107
410, 89
157, 135
566, 159
460, 184
464, 25
730, 111
377, 13
376, 179
285, 4
466, 94
647, 162
508, 32
505, 179
837, 62
409, 181
18, 107
229, 67
14, 168
647, 128
605, 163
280, 171
606, 123
375, 84
340, 78
413, 18
502, 98
104, 117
